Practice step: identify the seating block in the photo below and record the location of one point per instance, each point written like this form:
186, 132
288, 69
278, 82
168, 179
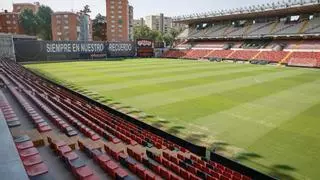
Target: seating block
37, 169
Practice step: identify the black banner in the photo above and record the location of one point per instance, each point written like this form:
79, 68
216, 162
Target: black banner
33, 50
75, 47
30, 50
121, 49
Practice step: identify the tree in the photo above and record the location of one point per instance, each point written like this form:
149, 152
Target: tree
144, 32
29, 22
98, 25
44, 22
86, 9
170, 37
174, 33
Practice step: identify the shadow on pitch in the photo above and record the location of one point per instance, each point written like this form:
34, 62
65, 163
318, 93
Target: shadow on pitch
160, 123
175, 130
219, 146
282, 171
196, 138
247, 156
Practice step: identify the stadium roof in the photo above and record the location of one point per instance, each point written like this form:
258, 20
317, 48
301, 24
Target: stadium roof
265, 10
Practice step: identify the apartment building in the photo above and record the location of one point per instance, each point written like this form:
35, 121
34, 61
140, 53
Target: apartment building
161, 23
19, 7
117, 12
138, 22
9, 23
65, 26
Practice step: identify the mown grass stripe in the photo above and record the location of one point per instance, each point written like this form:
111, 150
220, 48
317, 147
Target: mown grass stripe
168, 97
171, 85
78, 74
180, 77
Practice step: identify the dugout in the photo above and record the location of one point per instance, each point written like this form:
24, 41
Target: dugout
145, 48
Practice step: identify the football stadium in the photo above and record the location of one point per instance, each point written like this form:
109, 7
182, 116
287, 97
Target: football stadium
236, 97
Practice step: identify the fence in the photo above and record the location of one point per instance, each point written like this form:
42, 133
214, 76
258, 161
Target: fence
7, 47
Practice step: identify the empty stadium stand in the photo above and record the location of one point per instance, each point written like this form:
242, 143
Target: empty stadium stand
270, 33
91, 141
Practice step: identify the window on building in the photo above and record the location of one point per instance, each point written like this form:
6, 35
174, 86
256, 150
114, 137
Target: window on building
58, 16
112, 7
120, 17
8, 22
120, 26
112, 12
59, 33
58, 22
0, 27
112, 30
113, 25
18, 7
14, 22
120, 12
65, 16
112, 17
66, 27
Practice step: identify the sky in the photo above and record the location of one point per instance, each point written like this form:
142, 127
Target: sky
143, 8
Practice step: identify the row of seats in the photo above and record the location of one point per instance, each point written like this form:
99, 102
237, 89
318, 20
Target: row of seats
38, 120
114, 129
308, 44
109, 165
78, 167
243, 54
308, 59
196, 54
67, 115
174, 53
311, 59
274, 56
31, 159
9, 114
61, 124
253, 29
160, 169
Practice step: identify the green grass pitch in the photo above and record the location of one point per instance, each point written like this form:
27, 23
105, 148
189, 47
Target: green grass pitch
266, 117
